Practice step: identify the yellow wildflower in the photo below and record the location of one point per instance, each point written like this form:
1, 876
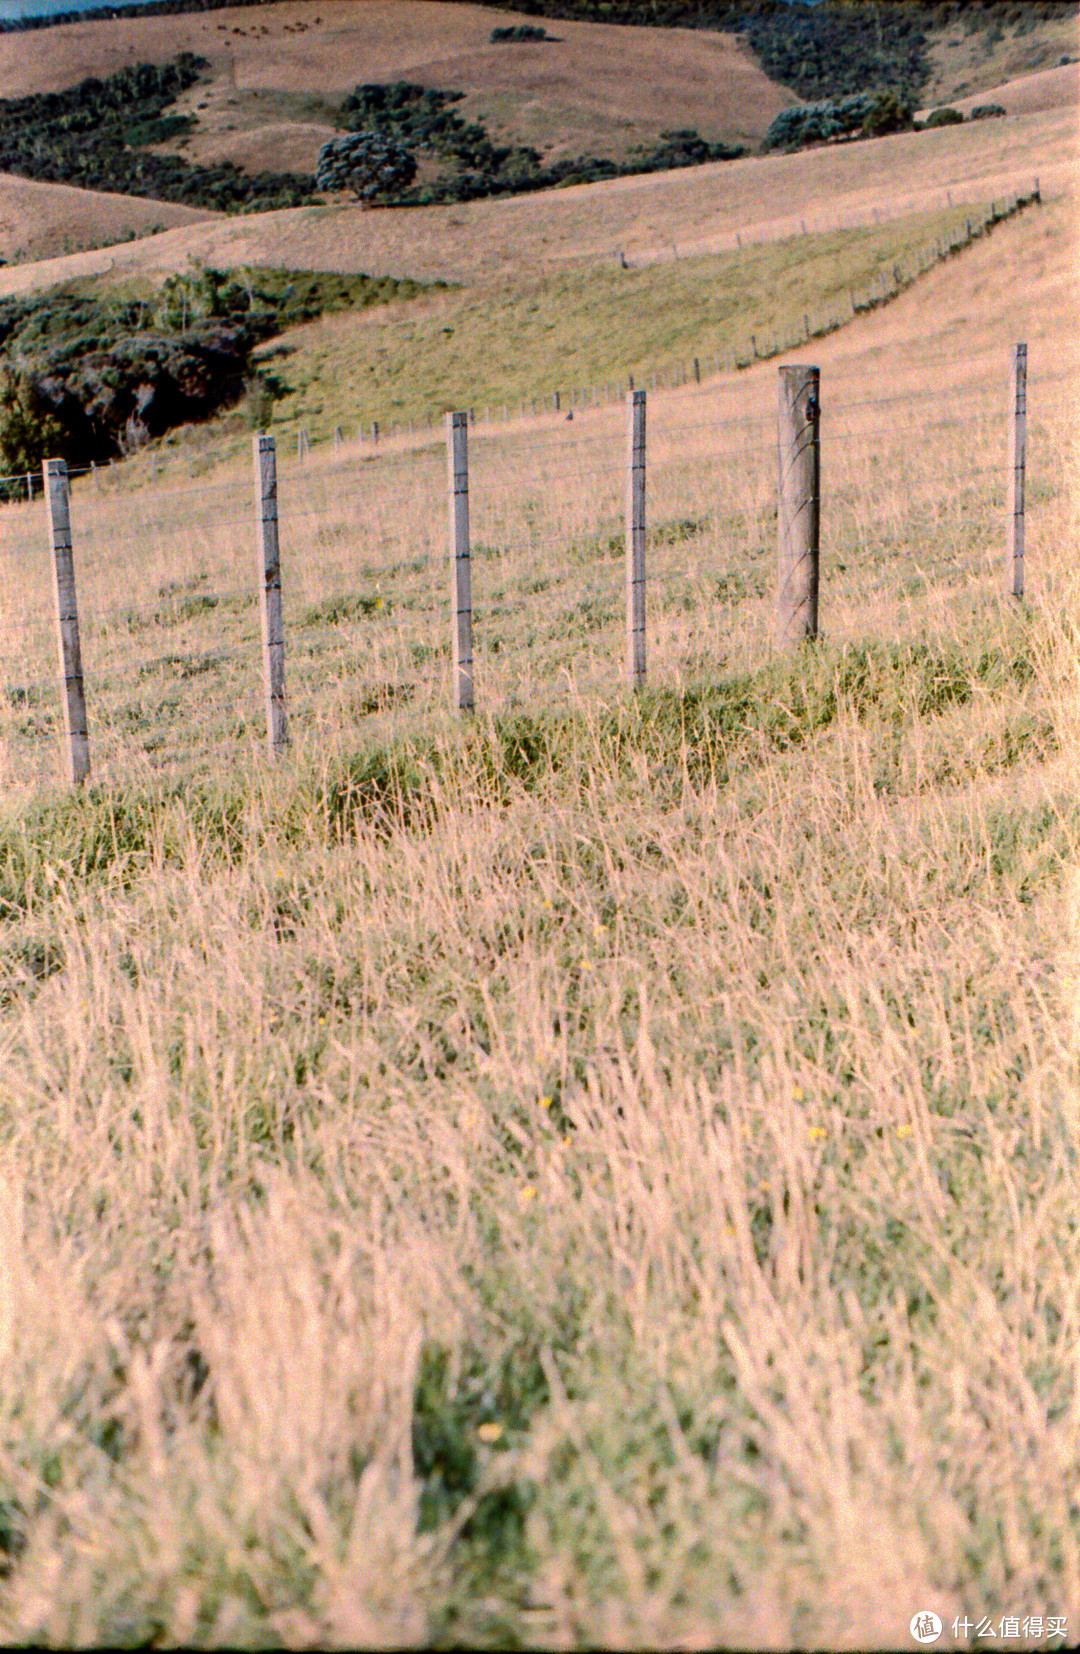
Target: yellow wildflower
490, 1432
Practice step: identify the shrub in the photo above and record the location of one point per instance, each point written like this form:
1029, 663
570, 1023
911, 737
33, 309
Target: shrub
944, 117
367, 163
92, 378
864, 115
987, 111
886, 114
29, 431
522, 31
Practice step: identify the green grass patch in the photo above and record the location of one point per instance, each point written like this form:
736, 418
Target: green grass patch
584, 327
708, 732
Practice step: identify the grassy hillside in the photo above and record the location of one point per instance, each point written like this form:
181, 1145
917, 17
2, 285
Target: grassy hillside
593, 88
584, 329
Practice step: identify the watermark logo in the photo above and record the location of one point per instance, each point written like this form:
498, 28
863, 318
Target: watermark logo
925, 1626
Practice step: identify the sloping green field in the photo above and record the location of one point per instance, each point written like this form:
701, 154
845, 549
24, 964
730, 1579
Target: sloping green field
588, 328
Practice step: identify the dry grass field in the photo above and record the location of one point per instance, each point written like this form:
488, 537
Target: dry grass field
975, 62
1057, 88
278, 72
604, 1174
46, 221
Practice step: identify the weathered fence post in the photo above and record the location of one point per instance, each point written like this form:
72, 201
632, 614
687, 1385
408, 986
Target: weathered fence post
1017, 444
55, 477
338, 436
635, 538
303, 447
268, 572
457, 458
798, 504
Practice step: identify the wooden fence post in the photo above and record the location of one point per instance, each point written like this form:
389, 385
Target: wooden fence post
302, 445
798, 504
1015, 491
268, 573
55, 478
457, 458
635, 538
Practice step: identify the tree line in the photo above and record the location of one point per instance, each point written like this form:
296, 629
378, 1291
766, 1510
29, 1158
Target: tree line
93, 135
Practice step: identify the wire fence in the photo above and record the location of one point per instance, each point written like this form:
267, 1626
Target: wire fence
913, 509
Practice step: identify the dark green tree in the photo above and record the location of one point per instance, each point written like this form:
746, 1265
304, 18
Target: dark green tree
372, 166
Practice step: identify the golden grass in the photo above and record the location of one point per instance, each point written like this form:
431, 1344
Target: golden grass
509, 347
1055, 88
601, 1176
47, 221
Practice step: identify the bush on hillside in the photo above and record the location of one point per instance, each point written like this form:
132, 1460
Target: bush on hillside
886, 114
372, 166
29, 429
987, 111
521, 32
92, 378
944, 117
866, 115
421, 119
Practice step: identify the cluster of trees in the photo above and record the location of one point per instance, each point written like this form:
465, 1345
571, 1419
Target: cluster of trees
866, 115
93, 378
401, 120
93, 135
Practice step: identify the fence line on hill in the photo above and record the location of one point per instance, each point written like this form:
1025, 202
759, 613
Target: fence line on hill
511, 520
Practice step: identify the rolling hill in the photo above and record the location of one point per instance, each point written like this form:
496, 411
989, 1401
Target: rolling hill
277, 73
